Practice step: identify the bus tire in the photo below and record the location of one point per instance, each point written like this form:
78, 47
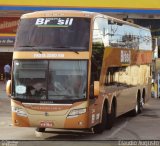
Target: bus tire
40, 129
135, 111
140, 107
97, 129
110, 118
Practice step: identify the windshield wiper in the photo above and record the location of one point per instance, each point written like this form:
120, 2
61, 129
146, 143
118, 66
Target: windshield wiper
33, 48
68, 49
26, 46
73, 51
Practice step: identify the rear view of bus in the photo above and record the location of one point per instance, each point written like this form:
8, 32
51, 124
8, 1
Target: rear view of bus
50, 70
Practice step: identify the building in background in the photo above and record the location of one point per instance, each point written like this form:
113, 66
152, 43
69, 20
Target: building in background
8, 26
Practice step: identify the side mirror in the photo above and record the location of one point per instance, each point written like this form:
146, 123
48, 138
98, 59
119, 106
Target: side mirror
96, 88
8, 88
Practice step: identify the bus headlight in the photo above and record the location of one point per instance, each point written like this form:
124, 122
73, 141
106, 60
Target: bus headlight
76, 112
19, 111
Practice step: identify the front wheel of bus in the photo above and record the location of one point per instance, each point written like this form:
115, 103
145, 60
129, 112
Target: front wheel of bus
111, 118
40, 129
102, 126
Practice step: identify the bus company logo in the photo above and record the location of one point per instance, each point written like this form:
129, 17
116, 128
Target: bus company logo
125, 56
53, 22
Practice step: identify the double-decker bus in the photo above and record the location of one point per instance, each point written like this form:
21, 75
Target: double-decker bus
78, 70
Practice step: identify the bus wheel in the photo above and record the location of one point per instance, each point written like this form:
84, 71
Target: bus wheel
40, 129
102, 126
140, 107
135, 111
111, 118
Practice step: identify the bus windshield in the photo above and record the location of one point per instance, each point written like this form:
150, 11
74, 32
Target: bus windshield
54, 80
53, 34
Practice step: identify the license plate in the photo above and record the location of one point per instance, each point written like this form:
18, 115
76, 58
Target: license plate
46, 124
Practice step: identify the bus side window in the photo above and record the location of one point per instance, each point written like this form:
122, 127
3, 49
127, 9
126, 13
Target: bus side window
117, 75
110, 76
122, 35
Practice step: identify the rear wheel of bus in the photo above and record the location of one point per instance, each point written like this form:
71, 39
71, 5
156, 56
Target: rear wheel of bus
107, 120
111, 117
139, 105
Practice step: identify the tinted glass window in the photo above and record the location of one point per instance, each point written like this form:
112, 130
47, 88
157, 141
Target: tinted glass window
53, 34
50, 80
122, 35
30, 79
67, 80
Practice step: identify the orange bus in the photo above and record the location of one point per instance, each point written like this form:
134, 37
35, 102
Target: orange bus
78, 70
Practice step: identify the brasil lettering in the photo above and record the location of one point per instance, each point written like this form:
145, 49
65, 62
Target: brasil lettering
48, 55
54, 22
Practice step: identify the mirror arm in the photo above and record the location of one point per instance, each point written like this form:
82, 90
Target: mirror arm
8, 88
96, 88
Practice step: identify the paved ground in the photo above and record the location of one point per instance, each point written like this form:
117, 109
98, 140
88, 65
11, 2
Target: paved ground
145, 126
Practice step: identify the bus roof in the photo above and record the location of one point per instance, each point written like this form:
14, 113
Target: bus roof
59, 13
75, 13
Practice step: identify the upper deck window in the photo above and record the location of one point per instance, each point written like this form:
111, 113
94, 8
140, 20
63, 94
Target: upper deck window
60, 33
123, 35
